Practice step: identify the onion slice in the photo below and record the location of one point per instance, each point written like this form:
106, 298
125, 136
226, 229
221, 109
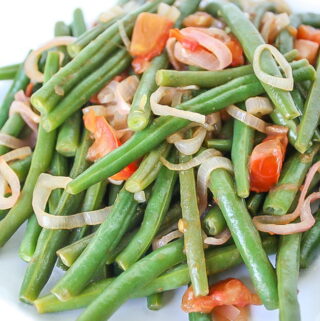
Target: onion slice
165, 110
259, 106
140, 197
164, 240
124, 37
196, 161
245, 117
11, 142
45, 185
111, 14
8, 176
277, 82
280, 224
31, 64
204, 172
170, 50
170, 12
219, 239
192, 145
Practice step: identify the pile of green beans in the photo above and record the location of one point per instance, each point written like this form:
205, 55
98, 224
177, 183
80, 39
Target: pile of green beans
128, 254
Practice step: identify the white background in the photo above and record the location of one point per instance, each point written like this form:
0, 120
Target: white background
25, 25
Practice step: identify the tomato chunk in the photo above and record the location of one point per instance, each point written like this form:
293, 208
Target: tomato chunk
150, 34
309, 33
227, 292
266, 161
105, 141
307, 49
237, 52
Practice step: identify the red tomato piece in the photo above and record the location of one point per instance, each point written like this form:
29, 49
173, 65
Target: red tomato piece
266, 161
307, 49
237, 52
150, 34
309, 33
29, 89
226, 292
186, 42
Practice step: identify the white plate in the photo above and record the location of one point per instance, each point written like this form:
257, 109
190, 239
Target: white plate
26, 24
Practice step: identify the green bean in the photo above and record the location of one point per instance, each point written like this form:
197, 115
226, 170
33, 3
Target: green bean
192, 231
241, 27
92, 201
310, 18
155, 301
20, 82
210, 79
21, 168
9, 72
155, 212
113, 191
69, 135
80, 94
310, 243
44, 258
255, 202
213, 222
148, 170
75, 47
242, 145
223, 145
260, 11
105, 240
87, 62
41, 160
218, 260
78, 24
136, 277
140, 110
280, 198
245, 236
226, 131
310, 117
288, 274
142, 142
30, 238
198, 316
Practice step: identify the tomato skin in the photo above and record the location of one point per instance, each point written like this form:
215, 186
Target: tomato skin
150, 34
307, 49
266, 161
309, 33
227, 292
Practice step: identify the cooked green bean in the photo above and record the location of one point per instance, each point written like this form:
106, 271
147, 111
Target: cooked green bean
106, 238
217, 259
113, 191
245, 236
213, 222
61, 29
20, 82
155, 212
88, 63
44, 258
280, 198
197, 316
80, 94
144, 141
242, 145
136, 277
310, 18
310, 117
21, 168
310, 243
288, 273
223, 145
260, 11
9, 72
148, 170
241, 26
69, 135
78, 25
192, 231
255, 202
155, 301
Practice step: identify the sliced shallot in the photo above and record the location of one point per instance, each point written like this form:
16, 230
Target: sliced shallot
219, 239
259, 106
123, 34
171, 42
245, 117
11, 142
111, 14
204, 172
157, 243
280, 224
277, 82
31, 63
45, 185
170, 12
196, 161
140, 197
191, 146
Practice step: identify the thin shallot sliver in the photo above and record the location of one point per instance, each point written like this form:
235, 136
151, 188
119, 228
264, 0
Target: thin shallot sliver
157, 243
11, 142
192, 145
219, 239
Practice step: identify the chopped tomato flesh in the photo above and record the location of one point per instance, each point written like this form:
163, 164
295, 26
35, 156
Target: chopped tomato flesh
230, 313
29, 89
237, 52
105, 141
198, 19
307, 49
226, 292
266, 161
309, 33
150, 34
